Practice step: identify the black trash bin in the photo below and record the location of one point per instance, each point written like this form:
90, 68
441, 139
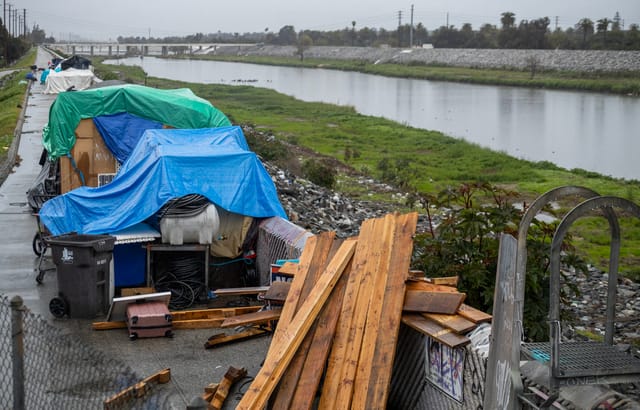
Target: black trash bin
82, 263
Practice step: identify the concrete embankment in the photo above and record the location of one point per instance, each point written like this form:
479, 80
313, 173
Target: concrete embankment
572, 60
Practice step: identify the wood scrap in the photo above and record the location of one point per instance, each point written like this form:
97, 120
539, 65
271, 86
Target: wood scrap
249, 290
445, 280
137, 390
300, 380
277, 292
375, 363
137, 291
288, 268
292, 333
454, 322
432, 302
189, 319
434, 330
423, 284
473, 314
209, 391
232, 376
222, 338
254, 318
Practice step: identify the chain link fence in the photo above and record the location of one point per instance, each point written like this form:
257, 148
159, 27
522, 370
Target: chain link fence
41, 367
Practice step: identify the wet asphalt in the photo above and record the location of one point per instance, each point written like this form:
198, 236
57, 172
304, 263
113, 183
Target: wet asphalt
192, 366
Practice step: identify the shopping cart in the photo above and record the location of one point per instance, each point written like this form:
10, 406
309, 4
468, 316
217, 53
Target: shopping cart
39, 243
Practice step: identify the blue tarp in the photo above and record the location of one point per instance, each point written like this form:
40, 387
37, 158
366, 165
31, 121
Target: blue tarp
168, 164
122, 131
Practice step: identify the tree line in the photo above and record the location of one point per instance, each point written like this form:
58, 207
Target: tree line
586, 34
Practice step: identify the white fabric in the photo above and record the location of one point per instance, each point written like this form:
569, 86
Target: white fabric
58, 81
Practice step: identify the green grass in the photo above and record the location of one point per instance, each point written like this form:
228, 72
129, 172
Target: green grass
436, 161
12, 90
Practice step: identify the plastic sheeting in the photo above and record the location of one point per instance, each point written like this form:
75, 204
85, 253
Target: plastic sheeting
168, 164
59, 81
178, 108
122, 131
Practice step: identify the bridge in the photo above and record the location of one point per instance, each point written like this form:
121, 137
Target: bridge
140, 49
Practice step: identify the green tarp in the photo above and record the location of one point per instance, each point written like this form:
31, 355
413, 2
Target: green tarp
179, 108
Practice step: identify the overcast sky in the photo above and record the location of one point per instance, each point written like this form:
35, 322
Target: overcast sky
108, 19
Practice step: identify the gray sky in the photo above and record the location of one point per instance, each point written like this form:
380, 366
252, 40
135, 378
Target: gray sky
104, 20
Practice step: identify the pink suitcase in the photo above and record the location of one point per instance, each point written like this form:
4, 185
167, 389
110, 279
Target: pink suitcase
149, 319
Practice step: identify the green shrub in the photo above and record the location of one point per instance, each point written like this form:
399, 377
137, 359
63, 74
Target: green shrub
320, 172
466, 243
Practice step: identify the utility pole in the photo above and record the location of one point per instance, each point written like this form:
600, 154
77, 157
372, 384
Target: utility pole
24, 22
556, 22
9, 25
399, 25
411, 29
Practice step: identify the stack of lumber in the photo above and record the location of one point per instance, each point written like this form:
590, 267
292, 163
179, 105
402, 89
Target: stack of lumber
438, 312
340, 321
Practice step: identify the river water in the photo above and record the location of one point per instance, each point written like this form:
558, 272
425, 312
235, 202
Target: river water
592, 131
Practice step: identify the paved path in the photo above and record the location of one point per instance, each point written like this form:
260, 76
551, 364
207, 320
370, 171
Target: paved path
192, 367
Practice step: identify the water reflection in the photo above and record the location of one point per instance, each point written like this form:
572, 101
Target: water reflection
597, 132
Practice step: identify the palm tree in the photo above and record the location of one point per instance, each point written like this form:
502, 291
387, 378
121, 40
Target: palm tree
508, 19
586, 26
602, 27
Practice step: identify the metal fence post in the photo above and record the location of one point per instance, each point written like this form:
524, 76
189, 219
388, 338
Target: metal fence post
17, 352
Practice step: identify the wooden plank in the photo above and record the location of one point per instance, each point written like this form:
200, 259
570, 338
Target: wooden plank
310, 376
454, 322
136, 291
289, 268
222, 338
446, 280
473, 314
376, 361
189, 319
340, 374
432, 302
118, 400
249, 290
285, 392
277, 292
254, 318
232, 376
422, 284
434, 330
311, 265
294, 332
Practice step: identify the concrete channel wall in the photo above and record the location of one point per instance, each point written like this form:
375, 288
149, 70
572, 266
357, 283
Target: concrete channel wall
572, 60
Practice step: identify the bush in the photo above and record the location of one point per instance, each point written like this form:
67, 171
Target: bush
320, 172
466, 243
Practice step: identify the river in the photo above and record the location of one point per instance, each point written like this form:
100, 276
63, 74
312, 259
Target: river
592, 131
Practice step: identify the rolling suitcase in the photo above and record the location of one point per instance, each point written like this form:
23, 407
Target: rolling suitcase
149, 319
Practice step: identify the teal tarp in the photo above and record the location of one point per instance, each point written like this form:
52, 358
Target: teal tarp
178, 108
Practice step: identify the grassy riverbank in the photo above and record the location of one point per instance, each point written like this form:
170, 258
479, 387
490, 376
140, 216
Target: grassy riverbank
627, 83
425, 160
12, 91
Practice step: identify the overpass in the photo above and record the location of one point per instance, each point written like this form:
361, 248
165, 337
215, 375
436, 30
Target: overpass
140, 49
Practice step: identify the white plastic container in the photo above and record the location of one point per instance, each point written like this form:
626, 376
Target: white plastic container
201, 228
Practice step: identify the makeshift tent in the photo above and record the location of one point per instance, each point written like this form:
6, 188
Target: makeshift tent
168, 164
178, 108
67, 80
78, 62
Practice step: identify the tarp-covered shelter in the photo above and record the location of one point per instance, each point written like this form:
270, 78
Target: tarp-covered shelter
78, 62
78, 131
68, 80
164, 165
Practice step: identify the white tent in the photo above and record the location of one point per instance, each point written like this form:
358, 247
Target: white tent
58, 81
